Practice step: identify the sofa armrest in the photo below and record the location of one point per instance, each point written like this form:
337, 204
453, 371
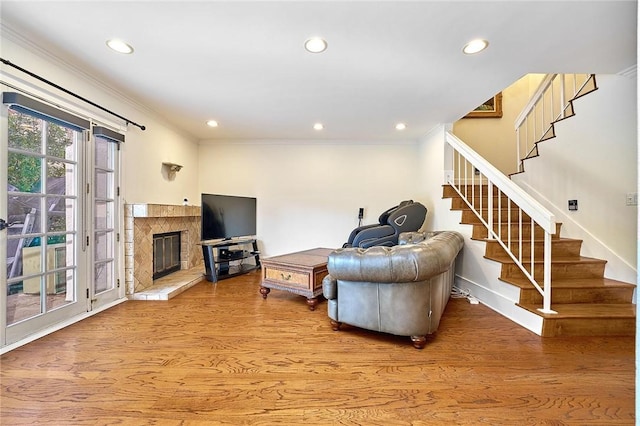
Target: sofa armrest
329, 287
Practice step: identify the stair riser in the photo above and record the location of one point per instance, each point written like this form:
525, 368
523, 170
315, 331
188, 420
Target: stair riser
589, 327
459, 204
585, 295
480, 232
468, 216
449, 192
558, 271
559, 248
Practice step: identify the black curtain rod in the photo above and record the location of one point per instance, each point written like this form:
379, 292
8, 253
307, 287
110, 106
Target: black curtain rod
4, 61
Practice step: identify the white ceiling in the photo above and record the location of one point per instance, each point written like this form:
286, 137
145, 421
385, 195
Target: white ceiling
243, 63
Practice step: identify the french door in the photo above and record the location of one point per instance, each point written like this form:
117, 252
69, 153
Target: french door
105, 284
59, 246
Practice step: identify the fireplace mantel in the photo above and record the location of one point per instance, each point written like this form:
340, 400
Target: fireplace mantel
162, 210
144, 220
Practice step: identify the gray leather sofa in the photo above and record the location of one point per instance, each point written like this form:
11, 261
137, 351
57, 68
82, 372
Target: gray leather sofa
402, 290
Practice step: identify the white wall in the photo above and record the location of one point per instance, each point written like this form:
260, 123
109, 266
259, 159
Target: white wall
145, 180
593, 159
309, 192
142, 153
432, 165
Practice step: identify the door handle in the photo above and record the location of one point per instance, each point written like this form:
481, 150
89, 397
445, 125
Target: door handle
3, 224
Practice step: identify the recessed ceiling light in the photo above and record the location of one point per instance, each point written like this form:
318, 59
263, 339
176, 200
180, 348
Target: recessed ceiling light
315, 45
401, 126
212, 123
119, 46
318, 126
475, 46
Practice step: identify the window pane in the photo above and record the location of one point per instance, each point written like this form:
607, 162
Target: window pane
104, 245
104, 154
23, 300
22, 246
22, 212
25, 172
60, 216
60, 178
25, 132
60, 249
103, 184
60, 141
103, 276
103, 215
60, 289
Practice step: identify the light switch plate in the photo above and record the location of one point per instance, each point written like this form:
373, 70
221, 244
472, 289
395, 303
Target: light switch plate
632, 199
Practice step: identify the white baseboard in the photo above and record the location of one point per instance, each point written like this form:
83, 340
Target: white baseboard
501, 305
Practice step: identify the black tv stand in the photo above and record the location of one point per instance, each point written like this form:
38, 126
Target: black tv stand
226, 258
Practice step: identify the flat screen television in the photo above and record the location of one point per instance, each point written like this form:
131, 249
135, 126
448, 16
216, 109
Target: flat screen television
227, 216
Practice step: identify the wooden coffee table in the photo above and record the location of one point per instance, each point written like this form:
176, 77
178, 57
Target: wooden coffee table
299, 273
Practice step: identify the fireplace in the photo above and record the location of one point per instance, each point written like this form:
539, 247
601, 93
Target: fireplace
166, 254
142, 222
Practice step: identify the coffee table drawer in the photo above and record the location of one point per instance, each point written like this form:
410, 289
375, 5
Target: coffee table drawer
288, 277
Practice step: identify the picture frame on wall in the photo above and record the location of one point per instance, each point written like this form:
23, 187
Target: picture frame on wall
492, 108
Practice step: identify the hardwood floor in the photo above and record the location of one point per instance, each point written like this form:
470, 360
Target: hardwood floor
220, 354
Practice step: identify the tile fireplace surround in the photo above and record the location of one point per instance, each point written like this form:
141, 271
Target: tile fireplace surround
144, 220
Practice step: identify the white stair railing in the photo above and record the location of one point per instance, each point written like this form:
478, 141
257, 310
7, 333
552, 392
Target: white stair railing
512, 217
551, 102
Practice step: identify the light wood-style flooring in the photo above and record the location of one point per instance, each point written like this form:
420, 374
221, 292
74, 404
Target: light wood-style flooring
220, 354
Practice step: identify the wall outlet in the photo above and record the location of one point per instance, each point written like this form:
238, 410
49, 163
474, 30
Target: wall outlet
632, 199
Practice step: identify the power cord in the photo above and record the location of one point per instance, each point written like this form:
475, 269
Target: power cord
459, 293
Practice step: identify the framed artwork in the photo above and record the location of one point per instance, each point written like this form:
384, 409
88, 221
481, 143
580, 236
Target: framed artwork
492, 108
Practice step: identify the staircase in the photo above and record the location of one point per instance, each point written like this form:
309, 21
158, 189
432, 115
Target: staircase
587, 303
552, 103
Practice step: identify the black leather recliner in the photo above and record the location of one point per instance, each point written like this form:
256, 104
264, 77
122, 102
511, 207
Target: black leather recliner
408, 216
